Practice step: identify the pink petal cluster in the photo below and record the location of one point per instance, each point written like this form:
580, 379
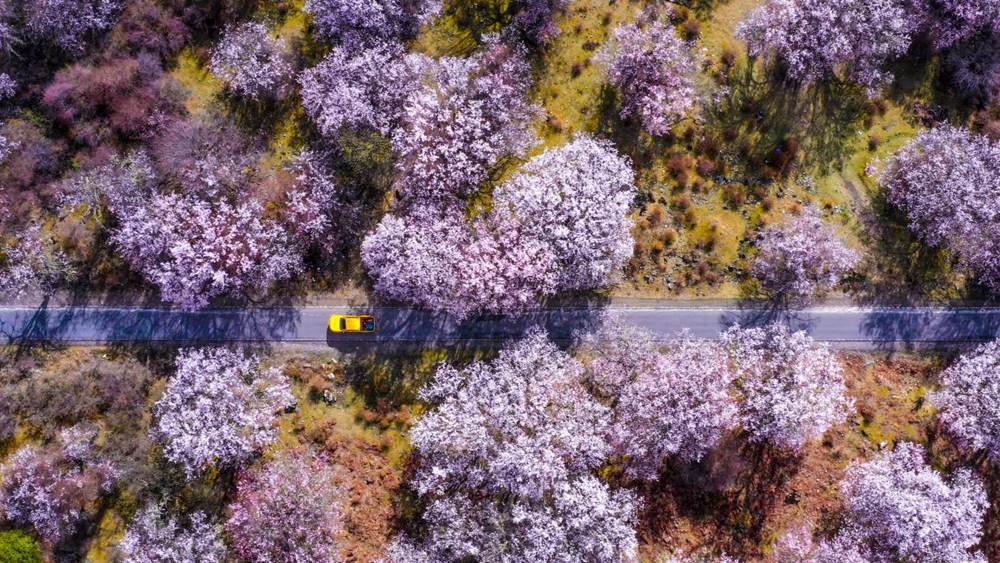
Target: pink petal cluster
8, 86
251, 63
655, 72
219, 409
791, 389
30, 264
287, 510
816, 39
947, 182
897, 508
801, 258
970, 400
156, 537
51, 488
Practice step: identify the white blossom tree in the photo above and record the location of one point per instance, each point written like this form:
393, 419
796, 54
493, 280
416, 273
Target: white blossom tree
655, 72
970, 400
67, 23
522, 424
801, 258
219, 409
790, 389
576, 199
30, 263
194, 250
899, 509
287, 510
156, 537
8, 86
251, 63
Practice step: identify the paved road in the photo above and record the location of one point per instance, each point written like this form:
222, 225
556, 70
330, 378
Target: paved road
846, 327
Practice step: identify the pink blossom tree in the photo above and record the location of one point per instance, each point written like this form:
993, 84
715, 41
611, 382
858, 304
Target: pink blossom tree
357, 23
790, 389
801, 258
156, 537
585, 521
287, 510
952, 21
946, 180
219, 409
655, 72
469, 114
899, 509
576, 199
677, 407
522, 424
816, 39
50, 488
194, 250
251, 63
361, 89
536, 19
970, 400
430, 256
312, 201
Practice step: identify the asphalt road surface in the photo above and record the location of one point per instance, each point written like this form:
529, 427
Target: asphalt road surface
846, 327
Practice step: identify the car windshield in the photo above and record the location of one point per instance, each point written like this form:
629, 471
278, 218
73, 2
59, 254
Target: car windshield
368, 324
343, 324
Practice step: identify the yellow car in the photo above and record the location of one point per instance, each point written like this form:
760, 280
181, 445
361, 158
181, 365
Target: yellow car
352, 323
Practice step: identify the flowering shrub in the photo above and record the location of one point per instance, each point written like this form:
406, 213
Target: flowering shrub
968, 400
219, 409
357, 23
814, 39
358, 89
974, 67
252, 63
899, 509
154, 537
946, 181
195, 251
801, 258
50, 488
576, 200
468, 115
536, 18
521, 423
287, 510
655, 72
122, 185
790, 389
